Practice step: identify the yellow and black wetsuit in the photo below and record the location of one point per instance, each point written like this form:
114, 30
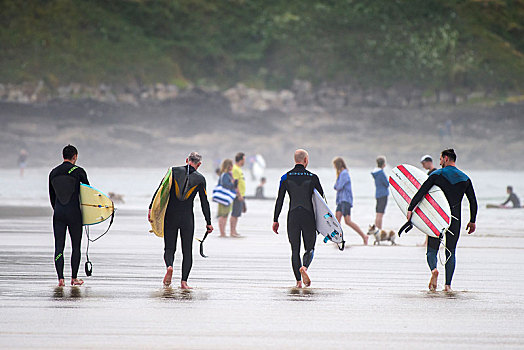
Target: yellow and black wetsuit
187, 182
64, 194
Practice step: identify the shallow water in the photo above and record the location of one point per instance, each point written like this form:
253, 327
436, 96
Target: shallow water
364, 297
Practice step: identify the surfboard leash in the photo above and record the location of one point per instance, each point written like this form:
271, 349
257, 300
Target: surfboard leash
88, 267
202, 244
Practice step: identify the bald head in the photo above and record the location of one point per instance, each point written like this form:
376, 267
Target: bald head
301, 157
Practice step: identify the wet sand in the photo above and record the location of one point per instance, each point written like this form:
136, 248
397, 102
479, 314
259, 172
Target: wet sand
364, 297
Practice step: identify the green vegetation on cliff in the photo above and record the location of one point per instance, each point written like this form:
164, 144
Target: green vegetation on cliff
430, 44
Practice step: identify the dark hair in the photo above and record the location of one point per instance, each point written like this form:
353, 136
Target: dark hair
239, 156
450, 152
510, 188
69, 152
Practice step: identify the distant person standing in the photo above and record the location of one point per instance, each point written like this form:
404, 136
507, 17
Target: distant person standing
427, 163
22, 161
239, 205
381, 190
259, 193
187, 182
454, 183
299, 183
513, 198
64, 194
227, 181
345, 197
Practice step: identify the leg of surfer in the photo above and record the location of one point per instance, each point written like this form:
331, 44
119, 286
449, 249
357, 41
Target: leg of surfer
59, 229
170, 236
431, 257
451, 245
186, 235
293, 232
75, 232
309, 237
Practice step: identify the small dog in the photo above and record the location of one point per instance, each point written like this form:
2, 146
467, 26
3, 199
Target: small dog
115, 197
381, 235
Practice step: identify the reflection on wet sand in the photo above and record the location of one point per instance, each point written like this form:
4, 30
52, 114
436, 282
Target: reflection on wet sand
68, 293
301, 293
179, 294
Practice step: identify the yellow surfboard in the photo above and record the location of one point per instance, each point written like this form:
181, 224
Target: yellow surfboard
158, 209
96, 206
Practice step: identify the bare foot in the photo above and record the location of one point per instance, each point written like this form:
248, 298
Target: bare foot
222, 235
183, 285
61, 282
365, 238
305, 277
447, 288
76, 282
299, 284
167, 277
433, 280
235, 235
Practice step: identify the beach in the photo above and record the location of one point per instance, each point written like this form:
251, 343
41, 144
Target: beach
243, 296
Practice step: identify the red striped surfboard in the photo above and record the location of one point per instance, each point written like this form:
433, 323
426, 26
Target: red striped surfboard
432, 215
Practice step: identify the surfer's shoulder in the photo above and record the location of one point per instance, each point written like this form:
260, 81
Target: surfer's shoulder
436, 172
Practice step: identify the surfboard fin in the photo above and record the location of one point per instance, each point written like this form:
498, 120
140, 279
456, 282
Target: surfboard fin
406, 227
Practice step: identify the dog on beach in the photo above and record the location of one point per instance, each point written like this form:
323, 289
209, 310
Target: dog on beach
381, 235
115, 197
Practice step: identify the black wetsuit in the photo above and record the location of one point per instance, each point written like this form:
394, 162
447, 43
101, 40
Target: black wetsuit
299, 183
64, 193
513, 199
454, 183
179, 215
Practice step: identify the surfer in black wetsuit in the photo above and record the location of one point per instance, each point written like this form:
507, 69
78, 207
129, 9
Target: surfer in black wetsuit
187, 182
454, 183
64, 193
512, 198
299, 184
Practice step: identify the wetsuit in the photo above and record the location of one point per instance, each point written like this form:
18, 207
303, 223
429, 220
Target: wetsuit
513, 199
299, 184
454, 183
179, 215
64, 193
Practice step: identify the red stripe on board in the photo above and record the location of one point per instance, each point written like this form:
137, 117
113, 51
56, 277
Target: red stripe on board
429, 198
417, 210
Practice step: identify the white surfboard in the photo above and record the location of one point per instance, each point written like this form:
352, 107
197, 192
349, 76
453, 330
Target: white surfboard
432, 215
327, 224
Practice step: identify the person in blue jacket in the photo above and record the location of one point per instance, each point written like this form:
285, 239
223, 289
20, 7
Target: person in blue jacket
345, 197
381, 190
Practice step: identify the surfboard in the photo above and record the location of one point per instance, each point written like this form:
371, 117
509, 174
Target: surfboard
158, 209
327, 224
432, 215
95, 205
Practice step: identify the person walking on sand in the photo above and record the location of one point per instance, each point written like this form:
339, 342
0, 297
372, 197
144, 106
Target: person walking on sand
454, 183
381, 190
187, 182
64, 194
427, 163
344, 198
299, 183
226, 181
239, 205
